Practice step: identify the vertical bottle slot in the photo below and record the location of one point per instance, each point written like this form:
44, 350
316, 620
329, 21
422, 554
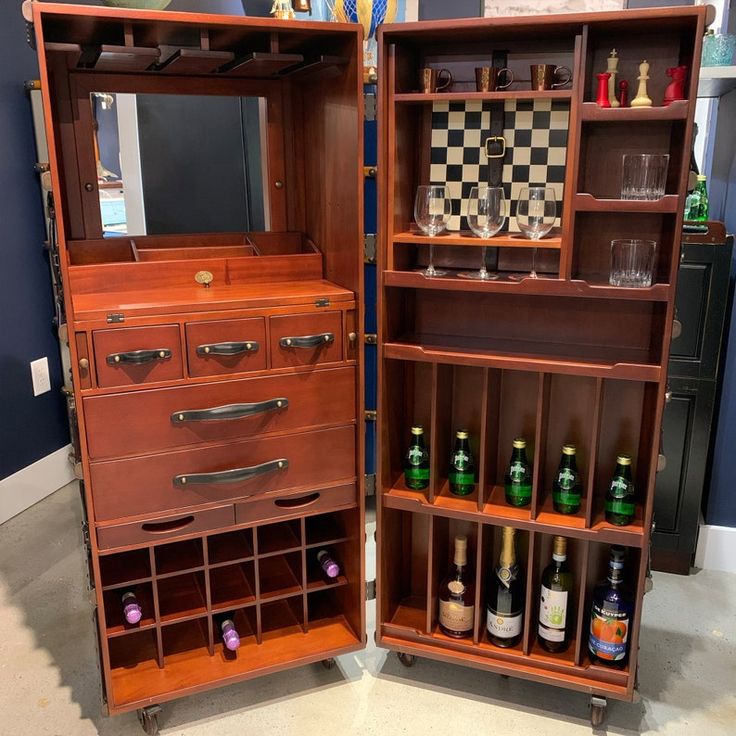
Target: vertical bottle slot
156, 607
185, 640
245, 625
595, 437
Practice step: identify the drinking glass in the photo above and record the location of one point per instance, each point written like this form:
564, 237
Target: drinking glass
432, 210
645, 175
632, 262
536, 211
486, 216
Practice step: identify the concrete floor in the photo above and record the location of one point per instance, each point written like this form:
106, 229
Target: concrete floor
49, 679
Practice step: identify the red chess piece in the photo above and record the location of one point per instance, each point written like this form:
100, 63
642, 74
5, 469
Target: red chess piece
623, 93
676, 88
602, 100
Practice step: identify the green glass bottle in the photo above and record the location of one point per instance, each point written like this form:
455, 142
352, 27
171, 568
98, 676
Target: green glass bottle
462, 466
416, 461
702, 202
518, 479
566, 488
620, 496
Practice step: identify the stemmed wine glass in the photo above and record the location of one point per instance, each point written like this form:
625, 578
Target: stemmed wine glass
432, 210
536, 211
486, 216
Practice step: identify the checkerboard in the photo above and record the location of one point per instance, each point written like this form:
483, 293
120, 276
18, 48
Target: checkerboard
536, 150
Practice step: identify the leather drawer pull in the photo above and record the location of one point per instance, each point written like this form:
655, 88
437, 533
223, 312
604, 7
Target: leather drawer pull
297, 503
138, 357
165, 527
307, 341
229, 411
236, 475
229, 348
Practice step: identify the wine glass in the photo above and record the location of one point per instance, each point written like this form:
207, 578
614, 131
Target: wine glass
536, 211
432, 209
486, 216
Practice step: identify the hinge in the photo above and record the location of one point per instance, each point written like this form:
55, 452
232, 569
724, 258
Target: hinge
115, 317
371, 415
322, 302
370, 106
369, 248
369, 172
370, 484
85, 533
370, 590
371, 338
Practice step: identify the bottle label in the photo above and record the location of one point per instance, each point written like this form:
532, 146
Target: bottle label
417, 473
609, 633
520, 493
462, 479
460, 460
507, 574
504, 626
619, 487
552, 614
415, 455
455, 616
568, 498
620, 507
517, 471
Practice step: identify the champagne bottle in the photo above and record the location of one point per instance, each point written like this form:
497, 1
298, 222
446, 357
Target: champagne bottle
610, 616
457, 595
566, 489
416, 461
506, 591
556, 589
132, 610
329, 567
462, 466
229, 634
518, 479
620, 496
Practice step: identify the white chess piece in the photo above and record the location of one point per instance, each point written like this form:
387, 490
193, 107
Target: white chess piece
613, 71
642, 99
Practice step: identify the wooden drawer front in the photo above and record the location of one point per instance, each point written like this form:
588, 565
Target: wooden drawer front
121, 535
226, 346
153, 419
132, 355
282, 506
169, 481
306, 333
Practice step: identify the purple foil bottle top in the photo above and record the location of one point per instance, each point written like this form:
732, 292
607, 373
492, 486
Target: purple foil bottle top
230, 636
330, 567
131, 608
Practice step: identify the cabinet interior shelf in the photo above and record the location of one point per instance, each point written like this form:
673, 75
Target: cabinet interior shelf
590, 112
584, 202
505, 240
521, 94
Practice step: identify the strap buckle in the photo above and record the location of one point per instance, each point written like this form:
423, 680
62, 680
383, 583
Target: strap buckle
497, 139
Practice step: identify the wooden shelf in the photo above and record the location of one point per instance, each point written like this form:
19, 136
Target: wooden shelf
116, 625
584, 202
173, 559
225, 549
521, 94
125, 568
315, 582
716, 81
278, 579
548, 516
276, 539
497, 507
590, 112
181, 598
507, 240
231, 588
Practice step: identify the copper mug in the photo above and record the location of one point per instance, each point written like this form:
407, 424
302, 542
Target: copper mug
544, 75
430, 80
486, 78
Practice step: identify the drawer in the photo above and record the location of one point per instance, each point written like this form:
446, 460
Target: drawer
306, 339
133, 355
120, 535
176, 480
164, 418
226, 346
275, 507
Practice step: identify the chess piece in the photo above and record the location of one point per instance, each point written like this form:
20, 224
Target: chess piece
282, 10
602, 99
676, 88
642, 99
613, 71
623, 93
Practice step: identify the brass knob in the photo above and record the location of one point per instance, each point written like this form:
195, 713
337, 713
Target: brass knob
676, 329
279, 184
161, 354
661, 462
207, 349
668, 397
117, 358
83, 364
353, 336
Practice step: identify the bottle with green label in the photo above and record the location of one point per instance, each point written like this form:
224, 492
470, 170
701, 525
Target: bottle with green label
566, 487
462, 466
620, 505
556, 591
518, 479
416, 461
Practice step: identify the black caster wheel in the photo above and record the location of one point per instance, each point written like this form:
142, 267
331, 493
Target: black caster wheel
148, 718
407, 660
597, 711
329, 664
505, 677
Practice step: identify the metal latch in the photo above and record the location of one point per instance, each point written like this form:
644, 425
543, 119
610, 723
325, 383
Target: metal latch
322, 302
369, 248
115, 317
370, 106
370, 590
371, 338
369, 172
370, 484
371, 415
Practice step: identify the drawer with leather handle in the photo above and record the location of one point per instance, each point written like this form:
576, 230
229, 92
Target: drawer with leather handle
306, 339
133, 355
155, 530
165, 418
226, 346
177, 480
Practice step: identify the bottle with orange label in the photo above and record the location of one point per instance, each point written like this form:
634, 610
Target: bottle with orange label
610, 616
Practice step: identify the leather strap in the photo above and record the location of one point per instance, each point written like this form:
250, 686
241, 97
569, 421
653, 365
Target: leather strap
495, 145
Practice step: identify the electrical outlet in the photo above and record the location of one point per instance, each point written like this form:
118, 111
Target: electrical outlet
40, 376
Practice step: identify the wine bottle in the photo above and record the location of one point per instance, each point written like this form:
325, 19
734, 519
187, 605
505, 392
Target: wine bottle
457, 595
506, 592
229, 634
556, 589
327, 563
462, 466
132, 610
416, 461
518, 479
566, 489
610, 616
620, 496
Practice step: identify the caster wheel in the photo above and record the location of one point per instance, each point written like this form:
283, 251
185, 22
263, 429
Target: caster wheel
505, 677
329, 664
407, 660
597, 711
148, 718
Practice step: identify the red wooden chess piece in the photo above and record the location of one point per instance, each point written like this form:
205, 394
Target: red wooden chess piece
602, 100
623, 93
676, 88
